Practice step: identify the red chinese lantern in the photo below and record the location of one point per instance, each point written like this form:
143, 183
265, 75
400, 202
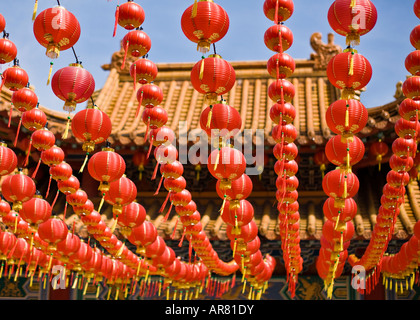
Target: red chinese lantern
409, 109
240, 189
412, 63
281, 91
53, 231
410, 88
18, 188
8, 160
34, 119
73, 84
61, 171
282, 113
404, 148
238, 216
53, 156
352, 19
346, 117
129, 15
84, 209
4, 207
14, 78
340, 214
77, 198
278, 10
106, 166
379, 149
415, 37
68, 186
213, 76
344, 154
121, 193
8, 50
166, 259
204, 23
285, 152
224, 119
91, 126
140, 160
56, 29
340, 185
281, 66
349, 71
278, 38
407, 129
136, 43
154, 118
142, 236
188, 209
399, 164
132, 215
68, 247
343, 233
284, 134
35, 211
92, 219
24, 99
143, 71
155, 249
226, 164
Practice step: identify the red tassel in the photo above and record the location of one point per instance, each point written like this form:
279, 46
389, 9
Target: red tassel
276, 14
135, 77
233, 280
28, 153
280, 42
48, 189
117, 13
173, 233
182, 239
10, 115
55, 199
160, 184
190, 249
138, 111
125, 56
155, 171
150, 146
17, 133
65, 211
167, 214
147, 127
36, 169
164, 203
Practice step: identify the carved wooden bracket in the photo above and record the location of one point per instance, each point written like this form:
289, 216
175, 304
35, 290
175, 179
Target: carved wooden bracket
323, 51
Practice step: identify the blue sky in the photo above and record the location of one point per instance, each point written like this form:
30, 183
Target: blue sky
386, 46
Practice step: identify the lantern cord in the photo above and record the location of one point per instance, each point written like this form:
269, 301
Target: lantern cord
75, 56
17, 132
276, 13
214, 48
36, 169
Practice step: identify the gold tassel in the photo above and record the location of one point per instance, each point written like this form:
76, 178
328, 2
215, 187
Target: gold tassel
346, 124
250, 293
201, 69
118, 254
114, 225
194, 9
167, 293
243, 287
338, 219
138, 268
352, 3
66, 131
84, 163
209, 116
351, 69
341, 241
101, 203
109, 293
49, 73
117, 293
147, 275
175, 295
217, 160
345, 189
86, 286
222, 209
234, 247
16, 223
35, 10
379, 159
160, 288
75, 281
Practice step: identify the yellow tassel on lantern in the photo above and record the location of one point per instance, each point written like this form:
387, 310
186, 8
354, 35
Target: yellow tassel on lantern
194, 9
109, 294
49, 73
174, 298
345, 189
147, 275
114, 225
117, 293
101, 203
66, 131
341, 241
118, 254
75, 281
351, 69
337, 220
346, 123
223, 205
217, 160
243, 287
167, 293
379, 159
352, 3
160, 288
86, 286
234, 247
250, 293
35, 10
84, 163
201, 70
209, 116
